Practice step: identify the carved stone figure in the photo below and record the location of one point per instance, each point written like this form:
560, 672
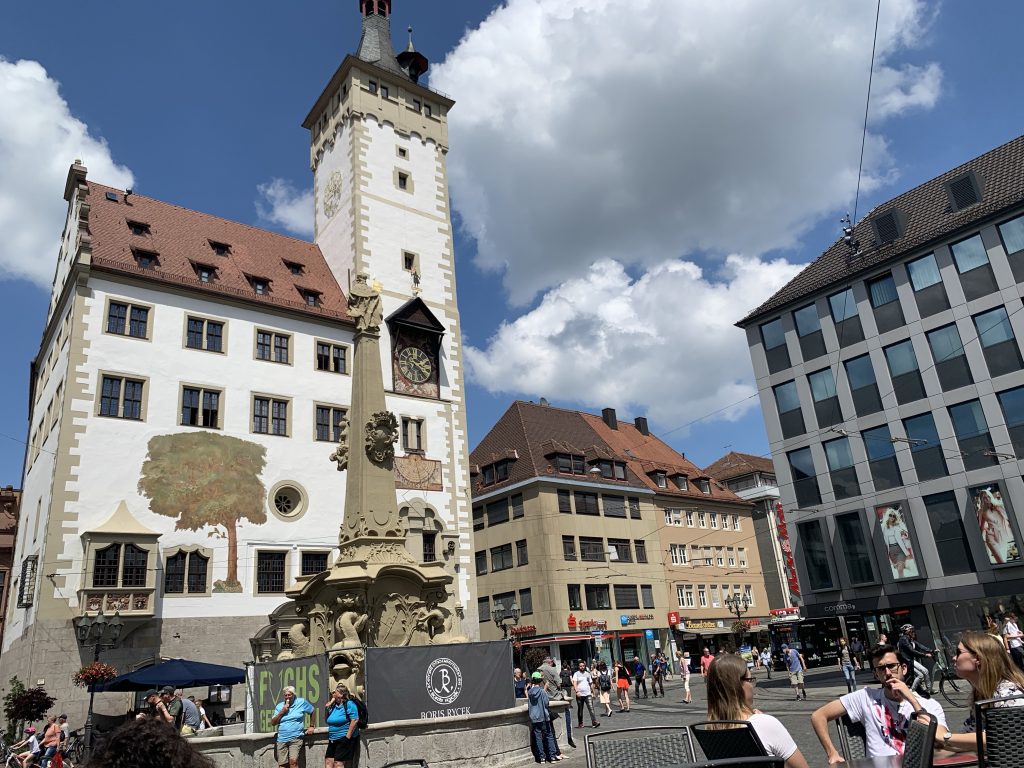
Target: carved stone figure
347, 668
300, 643
429, 622
364, 305
340, 455
350, 622
381, 434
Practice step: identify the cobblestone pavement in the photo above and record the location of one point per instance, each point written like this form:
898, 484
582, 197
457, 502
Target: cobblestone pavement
773, 697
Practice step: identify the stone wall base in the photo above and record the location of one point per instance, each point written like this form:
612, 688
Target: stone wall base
489, 740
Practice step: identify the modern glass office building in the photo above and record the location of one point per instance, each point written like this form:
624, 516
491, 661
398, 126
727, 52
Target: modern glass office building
892, 387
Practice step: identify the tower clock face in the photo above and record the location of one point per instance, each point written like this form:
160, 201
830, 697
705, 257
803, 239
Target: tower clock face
415, 364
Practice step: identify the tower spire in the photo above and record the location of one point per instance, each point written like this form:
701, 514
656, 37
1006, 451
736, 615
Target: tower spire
375, 44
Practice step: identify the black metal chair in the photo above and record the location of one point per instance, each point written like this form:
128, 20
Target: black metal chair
753, 762
1002, 723
639, 747
919, 750
852, 739
737, 739
418, 763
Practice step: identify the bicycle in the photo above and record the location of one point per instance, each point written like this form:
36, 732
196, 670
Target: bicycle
74, 749
953, 689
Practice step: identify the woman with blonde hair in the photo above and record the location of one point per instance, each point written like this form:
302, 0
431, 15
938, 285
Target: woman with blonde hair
731, 697
983, 662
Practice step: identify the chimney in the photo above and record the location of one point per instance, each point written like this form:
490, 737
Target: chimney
641, 425
608, 414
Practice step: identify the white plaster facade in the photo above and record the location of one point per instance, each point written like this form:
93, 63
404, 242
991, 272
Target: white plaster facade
81, 465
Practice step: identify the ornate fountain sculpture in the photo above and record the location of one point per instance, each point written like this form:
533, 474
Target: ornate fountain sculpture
375, 594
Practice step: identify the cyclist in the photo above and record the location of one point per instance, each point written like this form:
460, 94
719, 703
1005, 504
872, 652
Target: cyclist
910, 651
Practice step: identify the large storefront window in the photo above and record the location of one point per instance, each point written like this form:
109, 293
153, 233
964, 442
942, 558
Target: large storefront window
812, 539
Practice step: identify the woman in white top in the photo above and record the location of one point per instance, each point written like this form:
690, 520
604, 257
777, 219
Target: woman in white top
982, 661
731, 697
684, 664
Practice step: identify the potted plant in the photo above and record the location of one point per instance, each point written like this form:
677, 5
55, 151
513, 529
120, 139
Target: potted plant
93, 674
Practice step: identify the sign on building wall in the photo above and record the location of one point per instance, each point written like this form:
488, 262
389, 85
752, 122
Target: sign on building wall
431, 681
310, 676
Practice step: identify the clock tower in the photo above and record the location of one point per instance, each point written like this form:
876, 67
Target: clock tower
378, 149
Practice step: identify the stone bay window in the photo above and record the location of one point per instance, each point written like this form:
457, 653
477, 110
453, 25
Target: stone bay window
119, 567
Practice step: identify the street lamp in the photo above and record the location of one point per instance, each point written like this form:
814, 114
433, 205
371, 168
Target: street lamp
738, 604
97, 633
501, 617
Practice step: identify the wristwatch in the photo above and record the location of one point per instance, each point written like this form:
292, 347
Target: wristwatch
946, 738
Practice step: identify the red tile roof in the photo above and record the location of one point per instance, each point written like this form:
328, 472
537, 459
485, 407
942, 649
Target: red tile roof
182, 239
735, 464
647, 453
533, 433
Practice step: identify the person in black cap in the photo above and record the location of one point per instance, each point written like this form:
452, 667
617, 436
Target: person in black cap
149, 701
168, 708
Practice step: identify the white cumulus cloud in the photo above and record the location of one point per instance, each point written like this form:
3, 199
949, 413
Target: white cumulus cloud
690, 144
281, 204
662, 344
641, 130
39, 140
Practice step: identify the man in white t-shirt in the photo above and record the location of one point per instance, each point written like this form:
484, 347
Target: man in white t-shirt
885, 712
1013, 636
581, 684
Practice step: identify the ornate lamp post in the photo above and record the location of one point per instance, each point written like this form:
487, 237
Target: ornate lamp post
738, 604
97, 633
501, 617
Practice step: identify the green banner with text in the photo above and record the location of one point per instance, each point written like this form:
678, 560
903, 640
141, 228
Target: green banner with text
309, 676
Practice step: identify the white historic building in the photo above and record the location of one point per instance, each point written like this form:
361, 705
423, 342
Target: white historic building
192, 379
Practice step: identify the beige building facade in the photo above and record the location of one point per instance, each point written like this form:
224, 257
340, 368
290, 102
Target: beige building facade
576, 521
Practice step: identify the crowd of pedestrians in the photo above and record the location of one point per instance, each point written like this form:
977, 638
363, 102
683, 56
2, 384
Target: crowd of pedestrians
987, 661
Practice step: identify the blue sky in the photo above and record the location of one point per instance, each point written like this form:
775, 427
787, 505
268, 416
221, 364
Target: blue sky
629, 178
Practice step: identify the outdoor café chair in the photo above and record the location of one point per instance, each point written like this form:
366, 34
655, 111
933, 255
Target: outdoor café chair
1003, 726
639, 747
919, 750
852, 739
417, 763
739, 739
760, 761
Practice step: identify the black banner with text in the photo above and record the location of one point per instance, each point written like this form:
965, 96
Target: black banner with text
431, 681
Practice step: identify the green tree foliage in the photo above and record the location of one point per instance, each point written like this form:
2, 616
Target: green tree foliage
16, 688
25, 705
206, 479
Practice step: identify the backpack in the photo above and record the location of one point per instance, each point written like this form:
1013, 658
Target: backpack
604, 681
363, 716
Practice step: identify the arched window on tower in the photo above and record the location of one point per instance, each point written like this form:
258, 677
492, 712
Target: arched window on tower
422, 523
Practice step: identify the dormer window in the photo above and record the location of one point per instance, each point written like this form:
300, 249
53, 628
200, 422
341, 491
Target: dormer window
260, 285
620, 470
138, 228
704, 485
660, 479
496, 472
221, 249
294, 267
682, 482
205, 272
569, 464
146, 259
312, 298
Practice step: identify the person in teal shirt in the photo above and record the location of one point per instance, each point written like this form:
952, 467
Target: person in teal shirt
342, 729
290, 719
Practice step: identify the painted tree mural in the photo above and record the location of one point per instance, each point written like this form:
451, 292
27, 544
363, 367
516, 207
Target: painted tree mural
205, 479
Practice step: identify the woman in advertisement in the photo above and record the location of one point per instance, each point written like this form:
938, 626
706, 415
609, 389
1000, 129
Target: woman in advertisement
994, 525
897, 542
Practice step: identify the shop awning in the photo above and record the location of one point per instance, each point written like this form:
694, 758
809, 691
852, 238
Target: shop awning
576, 638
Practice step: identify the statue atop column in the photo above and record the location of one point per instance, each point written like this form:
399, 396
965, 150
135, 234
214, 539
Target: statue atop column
364, 305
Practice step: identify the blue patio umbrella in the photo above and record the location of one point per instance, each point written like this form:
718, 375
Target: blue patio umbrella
181, 673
